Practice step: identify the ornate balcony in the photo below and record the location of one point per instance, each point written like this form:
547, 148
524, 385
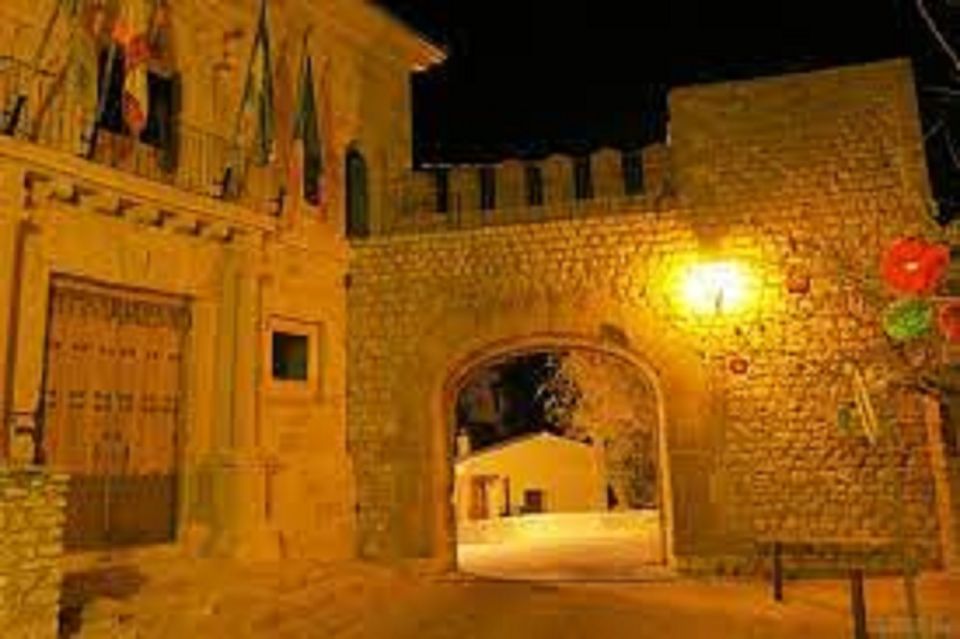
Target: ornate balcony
36, 106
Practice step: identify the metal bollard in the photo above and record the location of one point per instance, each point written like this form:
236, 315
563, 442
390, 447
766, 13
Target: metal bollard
777, 571
858, 605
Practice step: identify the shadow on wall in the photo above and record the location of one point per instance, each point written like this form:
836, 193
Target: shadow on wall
80, 589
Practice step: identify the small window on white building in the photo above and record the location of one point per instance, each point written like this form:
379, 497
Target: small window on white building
533, 501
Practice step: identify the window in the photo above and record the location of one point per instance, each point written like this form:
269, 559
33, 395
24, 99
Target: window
291, 356
488, 188
112, 63
358, 223
533, 501
582, 179
534, 183
163, 105
294, 359
161, 131
442, 185
632, 164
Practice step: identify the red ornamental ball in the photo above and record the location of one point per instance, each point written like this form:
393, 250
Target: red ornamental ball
948, 319
739, 365
914, 266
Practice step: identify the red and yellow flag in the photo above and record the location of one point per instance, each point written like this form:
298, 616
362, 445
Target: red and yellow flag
131, 34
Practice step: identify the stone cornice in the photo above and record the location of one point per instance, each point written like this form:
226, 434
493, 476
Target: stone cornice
110, 191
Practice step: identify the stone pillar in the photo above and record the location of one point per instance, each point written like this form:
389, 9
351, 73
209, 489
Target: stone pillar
9, 277
25, 360
511, 194
558, 181
240, 470
607, 174
11, 234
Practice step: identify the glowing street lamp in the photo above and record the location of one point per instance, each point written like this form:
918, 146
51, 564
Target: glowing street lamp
714, 287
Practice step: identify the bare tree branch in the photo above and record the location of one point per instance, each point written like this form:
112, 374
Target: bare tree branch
941, 39
951, 151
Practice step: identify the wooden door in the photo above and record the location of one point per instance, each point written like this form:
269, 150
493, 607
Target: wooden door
533, 501
113, 401
479, 501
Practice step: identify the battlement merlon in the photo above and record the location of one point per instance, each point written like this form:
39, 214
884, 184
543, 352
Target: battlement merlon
516, 189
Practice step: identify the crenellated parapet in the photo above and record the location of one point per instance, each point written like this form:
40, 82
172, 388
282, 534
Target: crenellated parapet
606, 182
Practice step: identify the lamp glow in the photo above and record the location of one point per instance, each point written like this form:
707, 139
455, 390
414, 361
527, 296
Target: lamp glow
714, 287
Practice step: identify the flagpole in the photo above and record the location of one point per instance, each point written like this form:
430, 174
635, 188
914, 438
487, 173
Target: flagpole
248, 77
228, 172
13, 118
326, 130
102, 102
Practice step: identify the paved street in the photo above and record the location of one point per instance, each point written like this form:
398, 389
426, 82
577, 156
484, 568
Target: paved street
211, 599
614, 558
675, 609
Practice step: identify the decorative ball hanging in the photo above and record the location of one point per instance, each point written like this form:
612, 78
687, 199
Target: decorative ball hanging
914, 266
798, 282
948, 320
739, 365
907, 320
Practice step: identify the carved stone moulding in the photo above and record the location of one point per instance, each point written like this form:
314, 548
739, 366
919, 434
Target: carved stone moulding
39, 187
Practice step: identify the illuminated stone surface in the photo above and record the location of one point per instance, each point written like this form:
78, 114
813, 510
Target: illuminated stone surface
782, 175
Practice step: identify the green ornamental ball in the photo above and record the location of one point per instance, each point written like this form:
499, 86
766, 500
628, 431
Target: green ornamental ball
908, 320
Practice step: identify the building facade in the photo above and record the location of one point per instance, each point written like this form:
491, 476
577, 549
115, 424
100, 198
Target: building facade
223, 366
539, 473
176, 346
736, 267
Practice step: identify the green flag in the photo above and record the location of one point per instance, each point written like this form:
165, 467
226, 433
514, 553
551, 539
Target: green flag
257, 116
306, 132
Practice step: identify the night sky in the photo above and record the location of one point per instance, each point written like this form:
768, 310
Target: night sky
526, 78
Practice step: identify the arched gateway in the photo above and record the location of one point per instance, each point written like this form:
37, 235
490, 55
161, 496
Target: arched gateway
617, 359
409, 368
730, 281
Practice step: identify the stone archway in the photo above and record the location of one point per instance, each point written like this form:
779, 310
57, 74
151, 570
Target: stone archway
687, 436
402, 361
504, 350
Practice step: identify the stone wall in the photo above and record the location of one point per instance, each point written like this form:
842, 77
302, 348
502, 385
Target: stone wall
31, 521
801, 181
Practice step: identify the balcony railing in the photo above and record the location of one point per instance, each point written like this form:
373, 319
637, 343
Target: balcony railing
37, 106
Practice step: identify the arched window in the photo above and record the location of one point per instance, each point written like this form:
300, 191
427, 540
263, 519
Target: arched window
358, 205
